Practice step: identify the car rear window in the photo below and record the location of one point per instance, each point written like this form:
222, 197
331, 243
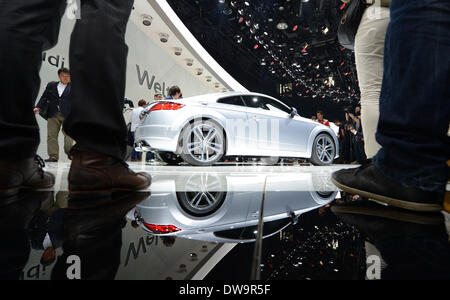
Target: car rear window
235, 100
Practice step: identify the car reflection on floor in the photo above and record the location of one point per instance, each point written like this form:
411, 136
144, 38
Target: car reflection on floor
226, 208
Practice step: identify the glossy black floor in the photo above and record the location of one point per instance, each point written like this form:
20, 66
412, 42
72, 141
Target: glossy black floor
209, 234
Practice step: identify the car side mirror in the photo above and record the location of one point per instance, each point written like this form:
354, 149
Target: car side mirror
293, 112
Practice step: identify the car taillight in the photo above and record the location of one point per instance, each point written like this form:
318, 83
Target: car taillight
161, 229
167, 106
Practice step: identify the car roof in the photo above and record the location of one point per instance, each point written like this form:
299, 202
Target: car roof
213, 97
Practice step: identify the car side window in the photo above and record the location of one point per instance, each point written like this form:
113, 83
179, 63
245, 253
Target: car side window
266, 104
255, 102
276, 106
235, 100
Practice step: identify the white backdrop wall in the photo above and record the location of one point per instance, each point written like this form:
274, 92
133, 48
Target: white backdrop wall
149, 70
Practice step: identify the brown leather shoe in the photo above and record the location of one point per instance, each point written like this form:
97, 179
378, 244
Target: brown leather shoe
24, 174
96, 172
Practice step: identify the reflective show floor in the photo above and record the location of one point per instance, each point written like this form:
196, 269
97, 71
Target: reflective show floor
224, 222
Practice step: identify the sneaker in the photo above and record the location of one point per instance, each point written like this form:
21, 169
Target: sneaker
369, 182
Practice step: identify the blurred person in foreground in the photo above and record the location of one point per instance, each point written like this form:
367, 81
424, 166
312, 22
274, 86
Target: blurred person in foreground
98, 56
410, 170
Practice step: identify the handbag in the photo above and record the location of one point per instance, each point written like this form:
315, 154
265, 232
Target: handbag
348, 26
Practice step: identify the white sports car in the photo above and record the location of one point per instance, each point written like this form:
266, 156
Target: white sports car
205, 129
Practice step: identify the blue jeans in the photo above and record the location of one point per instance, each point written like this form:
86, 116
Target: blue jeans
415, 96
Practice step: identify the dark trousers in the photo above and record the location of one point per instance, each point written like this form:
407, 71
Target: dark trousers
415, 96
134, 154
98, 67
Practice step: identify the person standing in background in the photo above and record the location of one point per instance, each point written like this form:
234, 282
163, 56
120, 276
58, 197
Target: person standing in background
174, 93
56, 99
369, 57
150, 156
321, 120
135, 120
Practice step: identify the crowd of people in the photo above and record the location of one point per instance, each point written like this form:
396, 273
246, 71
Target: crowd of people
174, 93
349, 133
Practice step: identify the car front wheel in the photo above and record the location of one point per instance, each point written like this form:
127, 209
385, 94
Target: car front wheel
323, 151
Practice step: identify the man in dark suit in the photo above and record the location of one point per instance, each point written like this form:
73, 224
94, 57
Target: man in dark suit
56, 98
98, 57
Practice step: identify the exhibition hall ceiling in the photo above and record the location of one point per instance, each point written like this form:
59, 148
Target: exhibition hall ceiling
287, 47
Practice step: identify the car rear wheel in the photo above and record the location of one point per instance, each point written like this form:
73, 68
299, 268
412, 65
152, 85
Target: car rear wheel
203, 143
201, 195
324, 150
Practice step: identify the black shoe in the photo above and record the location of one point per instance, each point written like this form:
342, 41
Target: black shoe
369, 182
24, 174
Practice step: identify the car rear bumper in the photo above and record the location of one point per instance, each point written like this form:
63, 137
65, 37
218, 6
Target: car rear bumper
156, 138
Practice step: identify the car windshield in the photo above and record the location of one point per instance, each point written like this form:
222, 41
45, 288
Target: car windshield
266, 104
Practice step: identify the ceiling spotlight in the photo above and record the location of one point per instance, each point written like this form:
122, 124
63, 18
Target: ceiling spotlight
189, 62
227, 11
178, 51
221, 1
216, 85
199, 71
147, 20
233, 3
304, 48
246, 3
163, 37
325, 30
238, 38
282, 25
208, 78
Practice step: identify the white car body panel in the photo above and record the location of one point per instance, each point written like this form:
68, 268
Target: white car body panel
248, 130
